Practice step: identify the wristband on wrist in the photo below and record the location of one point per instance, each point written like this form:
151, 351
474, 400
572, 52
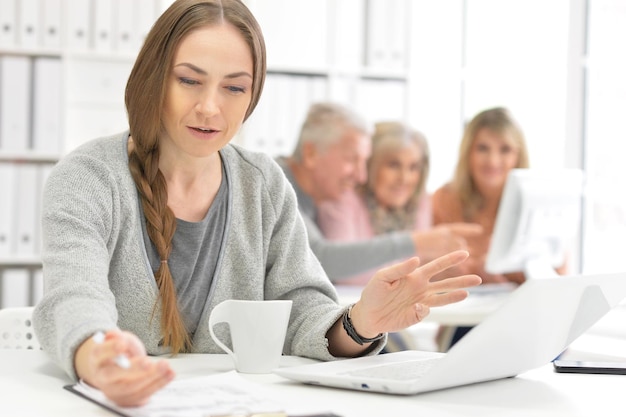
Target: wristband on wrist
349, 328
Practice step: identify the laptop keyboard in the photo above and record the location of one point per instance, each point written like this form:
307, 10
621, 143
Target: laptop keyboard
398, 371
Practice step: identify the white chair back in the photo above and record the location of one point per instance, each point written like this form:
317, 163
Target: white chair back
16, 329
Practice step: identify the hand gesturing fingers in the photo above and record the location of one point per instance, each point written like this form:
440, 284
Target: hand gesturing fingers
401, 295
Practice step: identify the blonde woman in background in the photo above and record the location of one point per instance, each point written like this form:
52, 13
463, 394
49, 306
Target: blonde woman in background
493, 144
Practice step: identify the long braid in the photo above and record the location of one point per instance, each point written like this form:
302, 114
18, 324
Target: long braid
160, 225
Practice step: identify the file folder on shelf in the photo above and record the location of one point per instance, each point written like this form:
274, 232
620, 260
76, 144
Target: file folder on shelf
77, 15
7, 191
377, 54
15, 287
146, 14
348, 44
125, 22
28, 24
103, 12
26, 210
51, 24
43, 171
47, 117
8, 23
15, 100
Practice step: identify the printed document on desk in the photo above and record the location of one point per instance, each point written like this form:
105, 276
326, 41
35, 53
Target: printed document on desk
223, 395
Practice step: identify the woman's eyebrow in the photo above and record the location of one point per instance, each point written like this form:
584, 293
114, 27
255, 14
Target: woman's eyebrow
203, 72
192, 67
239, 74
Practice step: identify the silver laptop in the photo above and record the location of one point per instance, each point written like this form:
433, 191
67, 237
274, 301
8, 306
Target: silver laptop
531, 328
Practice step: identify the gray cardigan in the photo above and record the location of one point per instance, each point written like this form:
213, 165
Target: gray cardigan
97, 275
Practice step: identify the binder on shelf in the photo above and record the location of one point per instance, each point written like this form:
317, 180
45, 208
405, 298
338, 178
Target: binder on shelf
51, 24
43, 171
256, 131
273, 20
299, 92
386, 44
398, 33
8, 23
348, 33
342, 90
15, 101
319, 89
106, 80
279, 94
146, 13
29, 24
15, 287
77, 18
124, 30
133, 22
36, 290
102, 34
307, 25
7, 212
85, 122
275, 124
47, 81
25, 209
377, 47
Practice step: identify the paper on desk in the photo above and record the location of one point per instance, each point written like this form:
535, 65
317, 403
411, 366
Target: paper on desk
223, 394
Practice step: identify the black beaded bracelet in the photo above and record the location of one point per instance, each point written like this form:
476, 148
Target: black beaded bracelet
347, 325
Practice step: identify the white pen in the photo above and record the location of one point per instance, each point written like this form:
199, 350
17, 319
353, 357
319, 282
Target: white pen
121, 360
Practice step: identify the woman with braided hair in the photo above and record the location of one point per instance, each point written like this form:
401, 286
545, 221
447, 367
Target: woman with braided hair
146, 231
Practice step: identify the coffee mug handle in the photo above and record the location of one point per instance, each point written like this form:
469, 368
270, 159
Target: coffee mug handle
220, 314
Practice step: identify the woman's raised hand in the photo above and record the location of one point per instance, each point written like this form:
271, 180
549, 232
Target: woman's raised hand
402, 295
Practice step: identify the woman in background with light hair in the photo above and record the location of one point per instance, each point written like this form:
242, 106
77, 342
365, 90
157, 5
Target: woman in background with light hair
395, 194
493, 144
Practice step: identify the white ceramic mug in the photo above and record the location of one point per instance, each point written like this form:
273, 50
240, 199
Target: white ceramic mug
257, 331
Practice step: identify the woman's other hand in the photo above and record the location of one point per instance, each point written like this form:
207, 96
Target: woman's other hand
97, 363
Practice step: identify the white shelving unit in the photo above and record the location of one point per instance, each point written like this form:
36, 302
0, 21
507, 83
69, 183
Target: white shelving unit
63, 67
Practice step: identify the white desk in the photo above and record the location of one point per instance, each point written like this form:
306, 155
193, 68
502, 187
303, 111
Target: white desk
32, 386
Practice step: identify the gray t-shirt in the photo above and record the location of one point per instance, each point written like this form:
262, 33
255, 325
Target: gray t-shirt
195, 249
